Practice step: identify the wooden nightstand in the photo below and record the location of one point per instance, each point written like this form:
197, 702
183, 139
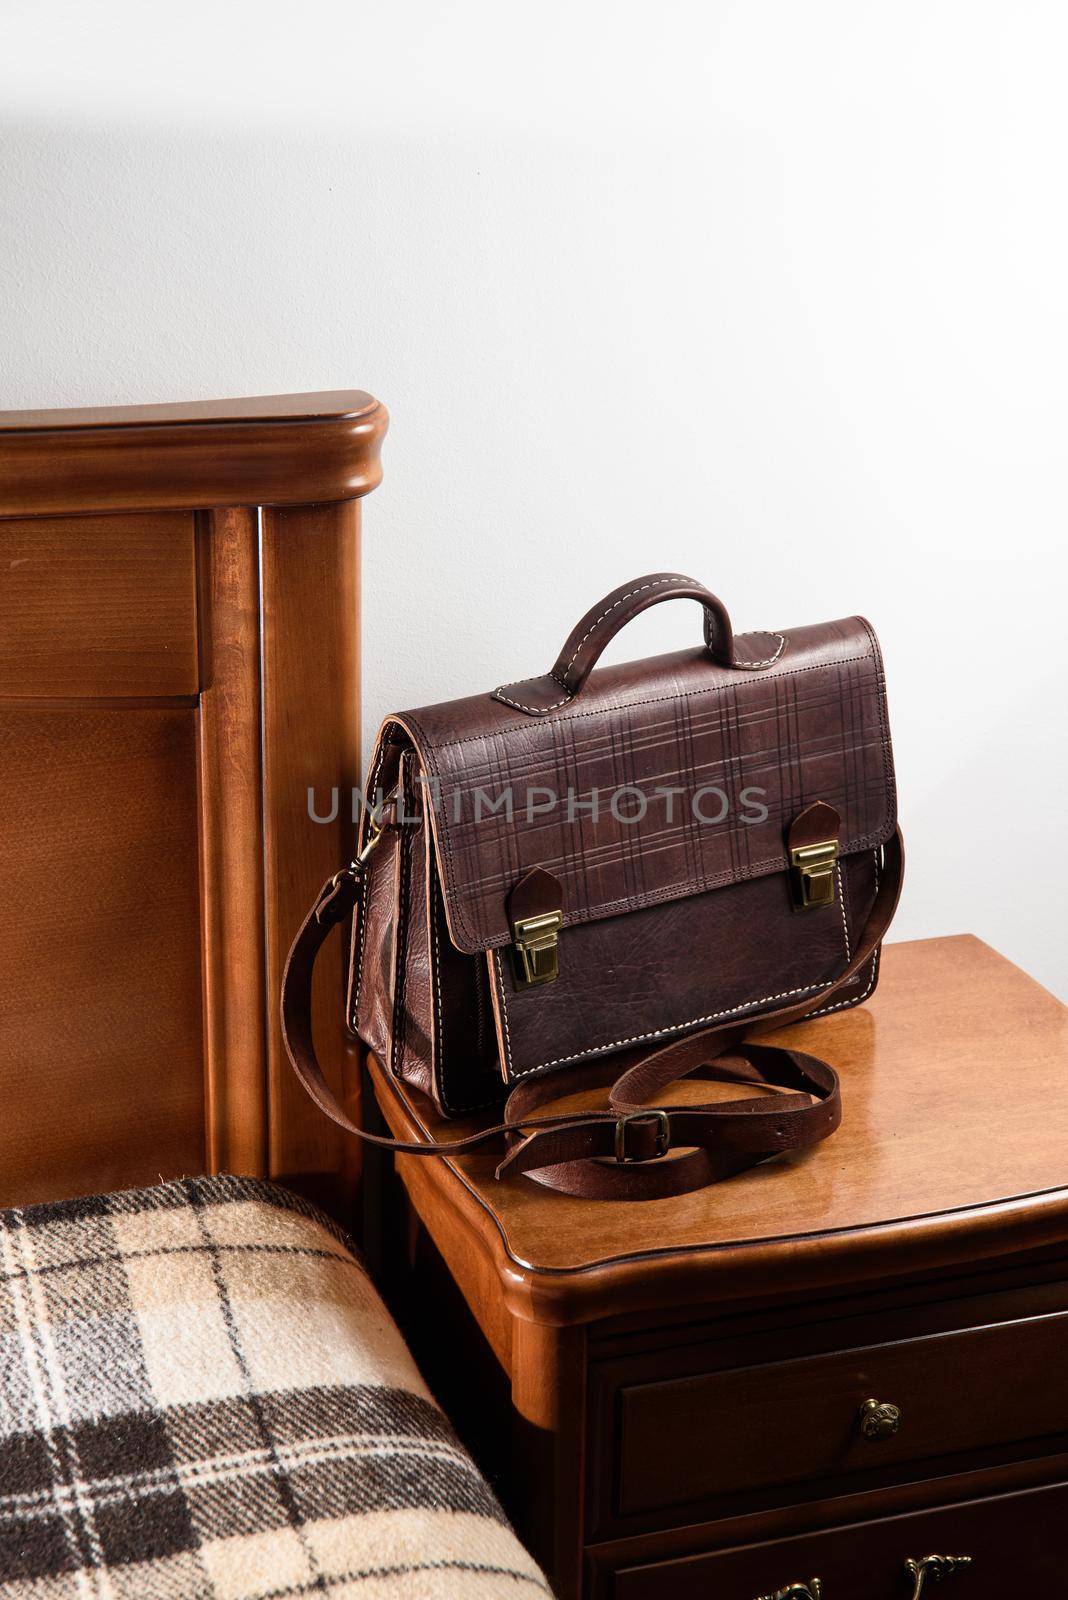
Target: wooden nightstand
670, 1396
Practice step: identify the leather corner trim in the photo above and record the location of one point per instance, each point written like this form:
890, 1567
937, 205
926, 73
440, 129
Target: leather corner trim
536, 696
767, 647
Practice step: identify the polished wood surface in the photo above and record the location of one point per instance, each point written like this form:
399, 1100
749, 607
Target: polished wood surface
101, 1058
99, 606
312, 743
965, 1357
325, 405
270, 450
232, 845
170, 679
814, 1402
931, 1049
1015, 1549
686, 1377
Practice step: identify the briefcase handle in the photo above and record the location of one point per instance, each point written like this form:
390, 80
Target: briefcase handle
746, 652
603, 621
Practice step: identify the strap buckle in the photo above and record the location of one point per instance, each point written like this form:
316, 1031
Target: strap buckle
663, 1135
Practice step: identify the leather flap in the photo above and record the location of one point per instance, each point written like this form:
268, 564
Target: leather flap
662, 779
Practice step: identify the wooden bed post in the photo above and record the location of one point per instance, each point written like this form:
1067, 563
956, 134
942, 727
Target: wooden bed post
311, 676
179, 665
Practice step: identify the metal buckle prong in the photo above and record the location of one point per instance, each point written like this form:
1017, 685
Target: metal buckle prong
663, 1135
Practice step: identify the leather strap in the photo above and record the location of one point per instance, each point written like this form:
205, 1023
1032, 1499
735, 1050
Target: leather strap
623, 1150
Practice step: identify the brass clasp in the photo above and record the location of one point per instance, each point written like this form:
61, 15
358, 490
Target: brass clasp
536, 948
812, 872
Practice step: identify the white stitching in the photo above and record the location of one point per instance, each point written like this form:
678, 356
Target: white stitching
359, 965
659, 584
499, 694
504, 1014
365, 885
670, 1027
856, 1000
480, 1008
439, 1042
407, 718
841, 907
438, 1063
747, 666
539, 711
400, 953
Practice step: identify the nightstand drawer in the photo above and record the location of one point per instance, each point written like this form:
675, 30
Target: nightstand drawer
1011, 1540
711, 1434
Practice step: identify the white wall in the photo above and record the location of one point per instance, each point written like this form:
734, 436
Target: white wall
767, 292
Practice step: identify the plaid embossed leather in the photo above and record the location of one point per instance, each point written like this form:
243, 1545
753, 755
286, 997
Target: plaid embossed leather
201, 1396
658, 814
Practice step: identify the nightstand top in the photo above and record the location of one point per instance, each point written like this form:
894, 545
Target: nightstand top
953, 1147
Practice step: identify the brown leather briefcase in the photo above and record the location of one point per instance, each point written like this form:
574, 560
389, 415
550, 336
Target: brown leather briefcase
622, 877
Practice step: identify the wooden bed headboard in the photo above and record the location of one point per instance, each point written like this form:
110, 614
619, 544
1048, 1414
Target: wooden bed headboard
178, 665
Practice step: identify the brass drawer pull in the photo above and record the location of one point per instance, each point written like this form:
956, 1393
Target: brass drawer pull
932, 1568
812, 1590
935, 1568
878, 1419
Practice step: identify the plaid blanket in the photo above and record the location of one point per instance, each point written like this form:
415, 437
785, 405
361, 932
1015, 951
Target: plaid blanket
201, 1395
